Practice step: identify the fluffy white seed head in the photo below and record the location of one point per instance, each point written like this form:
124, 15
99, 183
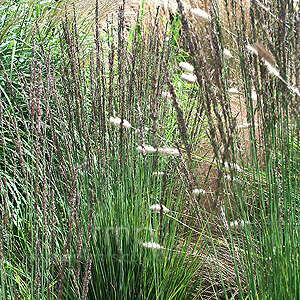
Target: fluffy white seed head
168, 151
148, 149
189, 78
238, 223
253, 95
227, 54
198, 191
246, 125
200, 15
296, 90
152, 245
272, 70
234, 166
233, 91
251, 50
158, 173
157, 207
117, 121
166, 95
186, 67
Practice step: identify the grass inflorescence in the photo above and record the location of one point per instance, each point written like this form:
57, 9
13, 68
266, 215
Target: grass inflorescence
162, 163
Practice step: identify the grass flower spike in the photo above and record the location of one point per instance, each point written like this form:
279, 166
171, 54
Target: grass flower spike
246, 125
158, 173
148, 149
198, 191
253, 95
189, 78
233, 91
227, 54
158, 207
238, 224
234, 166
186, 67
251, 50
166, 95
200, 14
117, 121
152, 245
168, 151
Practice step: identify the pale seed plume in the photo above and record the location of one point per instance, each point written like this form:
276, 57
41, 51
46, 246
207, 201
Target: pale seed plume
189, 78
233, 91
186, 67
152, 245
200, 15
262, 52
168, 151
166, 95
117, 121
148, 149
227, 54
158, 173
157, 207
198, 191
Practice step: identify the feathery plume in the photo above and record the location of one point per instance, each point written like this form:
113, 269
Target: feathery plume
168, 151
189, 78
246, 125
148, 149
117, 121
227, 54
251, 50
262, 52
253, 95
238, 223
200, 15
158, 173
233, 91
152, 245
186, 67
198, 191
158, 207
234, 166
166, 95
272, 70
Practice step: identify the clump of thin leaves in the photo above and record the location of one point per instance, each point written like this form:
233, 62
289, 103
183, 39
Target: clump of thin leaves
254, 149
76, 194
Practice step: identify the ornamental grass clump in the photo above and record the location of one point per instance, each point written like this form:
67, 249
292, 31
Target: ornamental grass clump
75, 192
262, 159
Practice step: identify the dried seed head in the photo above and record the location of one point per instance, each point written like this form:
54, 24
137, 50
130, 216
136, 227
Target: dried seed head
166, 95
157, 207
152, 245
158, 173
233, 91
198, 191
272, 70
117, 121
148, 149
296, 90
241, 126
234, 166
254, 95
265, 54
250, 49
238, 223
200, 14
168, 151
227, 54
189, 78
296, 5
186, 67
